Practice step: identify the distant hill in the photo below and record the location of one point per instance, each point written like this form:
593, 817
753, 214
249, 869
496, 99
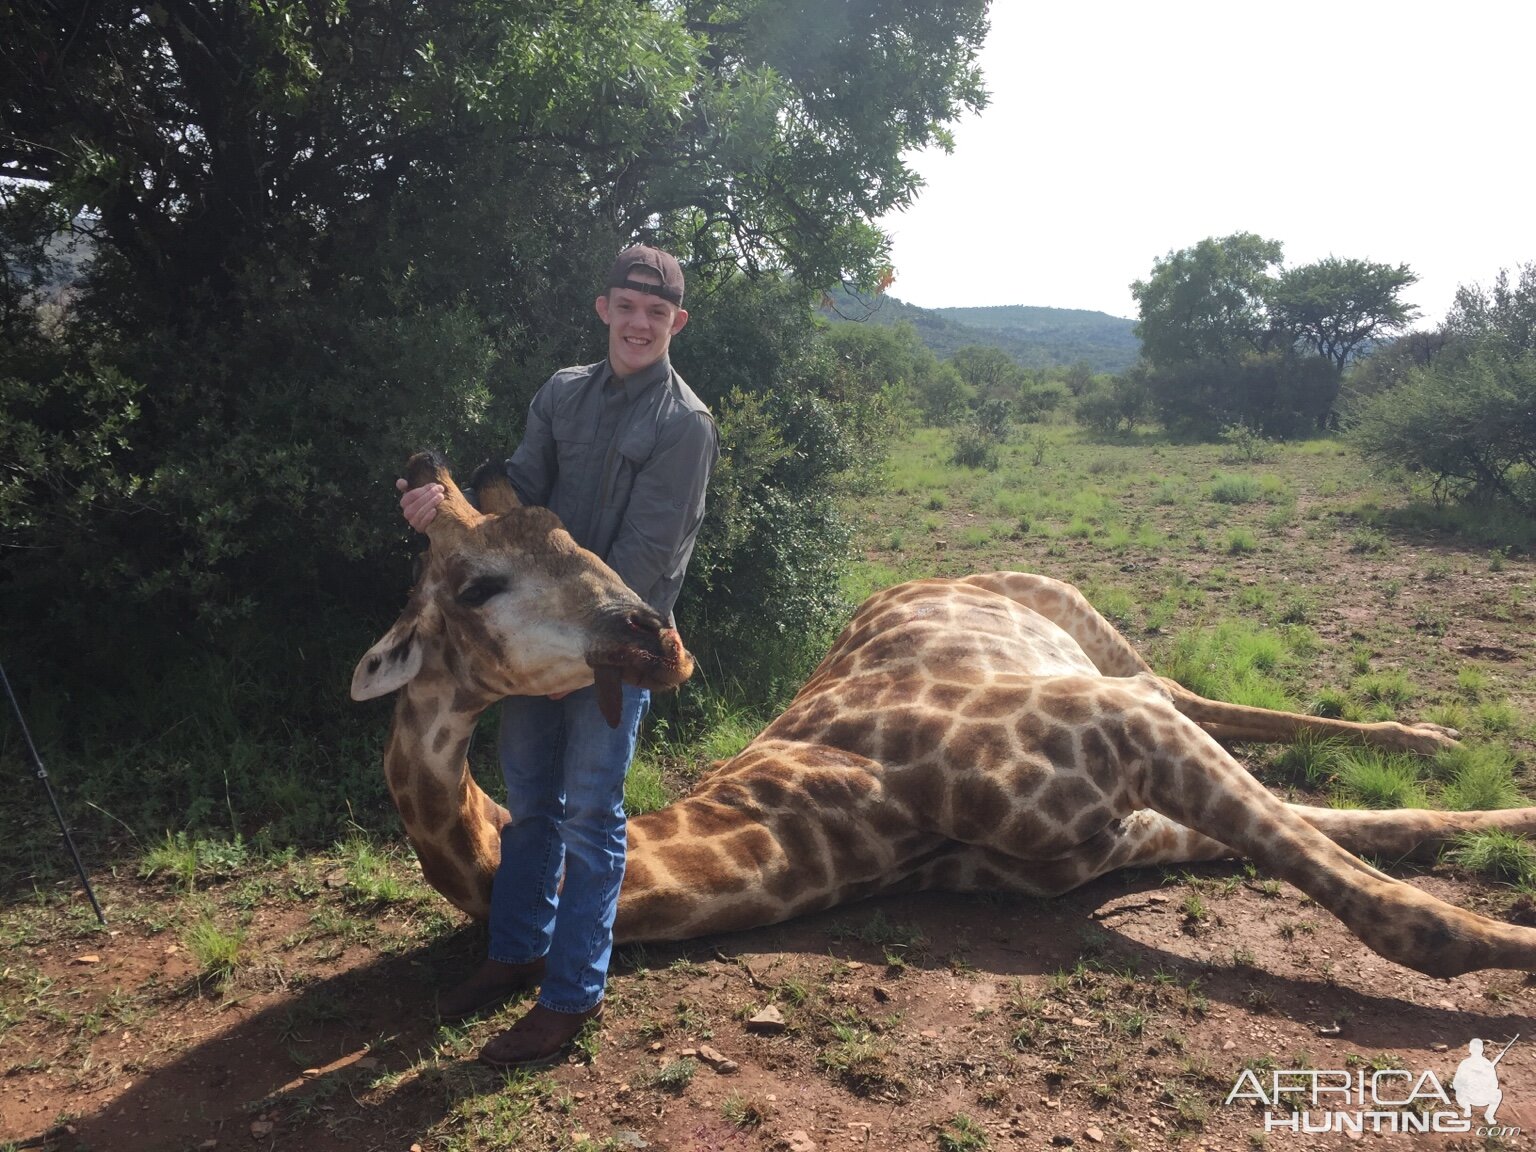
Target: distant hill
1034, 337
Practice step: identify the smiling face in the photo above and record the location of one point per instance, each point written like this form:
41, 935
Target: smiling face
640, 326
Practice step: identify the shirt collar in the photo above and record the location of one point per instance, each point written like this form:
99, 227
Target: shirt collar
641, 380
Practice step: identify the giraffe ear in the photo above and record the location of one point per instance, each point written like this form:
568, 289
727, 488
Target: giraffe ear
494, 493
389, 664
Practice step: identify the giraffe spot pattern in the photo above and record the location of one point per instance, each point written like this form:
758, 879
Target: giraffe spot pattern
981, 771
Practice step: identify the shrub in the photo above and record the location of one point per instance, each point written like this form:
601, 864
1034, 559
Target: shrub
1113, 406
1467, 417
973, 448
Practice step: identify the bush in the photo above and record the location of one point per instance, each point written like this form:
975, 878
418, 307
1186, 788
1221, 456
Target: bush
1466, 415
1039, 401
974, 447
1114, 406
1277, 394
803, 416
1245, 445
1467, 421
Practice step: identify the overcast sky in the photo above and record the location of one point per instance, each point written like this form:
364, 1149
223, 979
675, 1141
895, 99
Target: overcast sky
1398, 132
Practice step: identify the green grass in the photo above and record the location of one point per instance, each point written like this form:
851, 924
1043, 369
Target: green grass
745, 1113
1240, 542
185, 859
1496, 717
217, 951
1391, 688
1117, 605
372, 878
1478, 777
1234, 490
1497, 855
674, 1075
1235, 661
1471, 683
856, 1056
1311, 759
645, 788
862, 580
962, 1134
1371, 779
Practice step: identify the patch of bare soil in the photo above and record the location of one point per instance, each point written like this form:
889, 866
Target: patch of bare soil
1118, 1017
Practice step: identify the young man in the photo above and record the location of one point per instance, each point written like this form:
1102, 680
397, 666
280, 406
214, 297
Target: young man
622, 452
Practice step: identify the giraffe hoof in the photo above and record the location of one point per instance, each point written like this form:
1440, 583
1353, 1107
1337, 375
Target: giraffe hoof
1426, 726
1427, 739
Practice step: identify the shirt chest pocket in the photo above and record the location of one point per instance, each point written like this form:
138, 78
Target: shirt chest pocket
632, 452
637, 444
573, 444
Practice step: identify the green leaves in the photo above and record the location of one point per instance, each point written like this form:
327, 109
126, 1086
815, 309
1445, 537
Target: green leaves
1207, 302
1229, 339
325, 233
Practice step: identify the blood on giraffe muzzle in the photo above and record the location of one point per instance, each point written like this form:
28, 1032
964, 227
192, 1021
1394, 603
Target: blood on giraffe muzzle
637, 648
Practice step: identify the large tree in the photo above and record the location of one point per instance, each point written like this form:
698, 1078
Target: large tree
1230, 336
324, 232
1209, 302
1335, 307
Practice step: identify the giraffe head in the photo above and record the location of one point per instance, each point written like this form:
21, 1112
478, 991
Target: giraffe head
508, 604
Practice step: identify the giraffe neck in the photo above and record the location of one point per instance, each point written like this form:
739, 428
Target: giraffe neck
454, 827
698, 863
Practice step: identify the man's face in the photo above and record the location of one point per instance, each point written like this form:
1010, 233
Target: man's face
640, 326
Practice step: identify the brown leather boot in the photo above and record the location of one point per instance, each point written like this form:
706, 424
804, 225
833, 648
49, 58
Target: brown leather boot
491, 983
540, 1037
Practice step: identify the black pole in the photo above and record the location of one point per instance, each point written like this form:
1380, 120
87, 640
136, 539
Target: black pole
42, 775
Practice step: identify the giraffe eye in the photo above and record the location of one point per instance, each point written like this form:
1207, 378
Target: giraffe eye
481, 589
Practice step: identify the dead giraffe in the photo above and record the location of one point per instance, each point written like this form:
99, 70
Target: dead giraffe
991, 733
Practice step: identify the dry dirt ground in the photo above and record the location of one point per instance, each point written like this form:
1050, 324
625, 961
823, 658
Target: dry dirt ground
1120, 1016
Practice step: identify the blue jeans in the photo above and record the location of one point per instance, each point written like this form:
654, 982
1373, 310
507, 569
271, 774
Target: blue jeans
564, 769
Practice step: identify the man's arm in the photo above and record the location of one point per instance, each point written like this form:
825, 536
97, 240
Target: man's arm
666, 506
532, 466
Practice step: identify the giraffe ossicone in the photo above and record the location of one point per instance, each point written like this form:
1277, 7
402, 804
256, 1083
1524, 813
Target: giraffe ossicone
987, 733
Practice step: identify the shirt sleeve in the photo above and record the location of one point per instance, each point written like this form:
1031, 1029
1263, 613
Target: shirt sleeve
665, 509
532, 466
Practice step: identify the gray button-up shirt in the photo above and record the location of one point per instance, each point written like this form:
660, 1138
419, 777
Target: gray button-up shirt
624, 463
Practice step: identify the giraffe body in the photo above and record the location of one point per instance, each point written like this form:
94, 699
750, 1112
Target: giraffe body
991, 733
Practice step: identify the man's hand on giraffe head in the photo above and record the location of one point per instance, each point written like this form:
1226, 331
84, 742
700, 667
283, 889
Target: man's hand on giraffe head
419, 505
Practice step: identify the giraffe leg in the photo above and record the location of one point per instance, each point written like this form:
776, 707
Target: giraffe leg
1148, 839
1172, 765
1112, 654
1068, 609
1410, 833
1262, 725
1144, 839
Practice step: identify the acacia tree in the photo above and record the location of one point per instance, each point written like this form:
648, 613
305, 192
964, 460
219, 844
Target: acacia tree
1232, 337
1336, 306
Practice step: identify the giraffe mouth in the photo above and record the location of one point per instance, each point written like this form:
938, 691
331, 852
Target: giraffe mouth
667, 666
